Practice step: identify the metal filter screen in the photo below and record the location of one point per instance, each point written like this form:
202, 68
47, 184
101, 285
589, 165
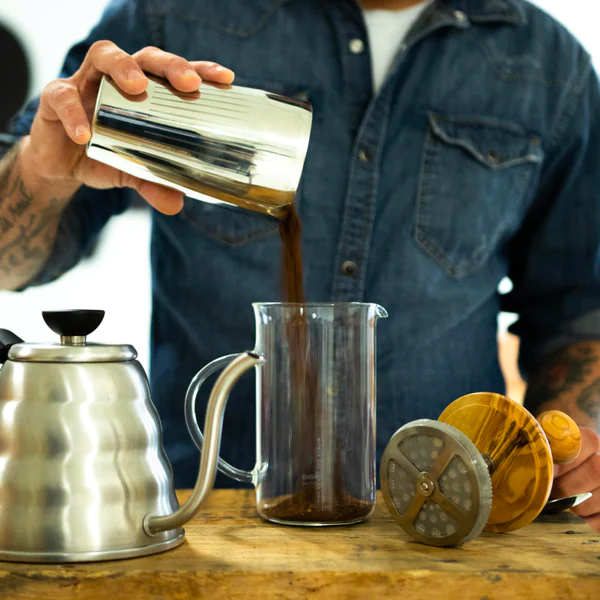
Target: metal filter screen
436, 483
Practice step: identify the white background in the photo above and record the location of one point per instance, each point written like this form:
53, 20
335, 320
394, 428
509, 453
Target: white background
117, 278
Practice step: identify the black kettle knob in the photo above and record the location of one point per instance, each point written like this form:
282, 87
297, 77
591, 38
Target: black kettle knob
73, 323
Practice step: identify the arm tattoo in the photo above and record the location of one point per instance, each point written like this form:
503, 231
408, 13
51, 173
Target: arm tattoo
8, 184
567, 368
589, 401
26, 232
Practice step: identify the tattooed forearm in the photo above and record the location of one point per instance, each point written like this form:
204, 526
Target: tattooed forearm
569, 381
565, 369
589, 401
8, 183
22, 200
32, 238
28, 225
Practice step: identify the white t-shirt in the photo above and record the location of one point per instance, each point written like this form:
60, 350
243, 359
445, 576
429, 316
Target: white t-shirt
387, 30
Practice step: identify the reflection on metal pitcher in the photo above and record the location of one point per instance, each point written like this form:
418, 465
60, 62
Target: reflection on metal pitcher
221, 144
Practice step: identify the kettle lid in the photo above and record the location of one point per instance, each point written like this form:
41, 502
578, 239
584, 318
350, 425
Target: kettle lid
73, 326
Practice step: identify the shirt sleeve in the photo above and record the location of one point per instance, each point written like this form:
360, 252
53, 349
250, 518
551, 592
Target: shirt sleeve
554, 259
131, 25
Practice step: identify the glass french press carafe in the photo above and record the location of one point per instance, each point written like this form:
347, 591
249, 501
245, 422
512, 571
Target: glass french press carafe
315, 412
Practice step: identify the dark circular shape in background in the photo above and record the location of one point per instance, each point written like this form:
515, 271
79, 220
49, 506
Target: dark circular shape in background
15, 73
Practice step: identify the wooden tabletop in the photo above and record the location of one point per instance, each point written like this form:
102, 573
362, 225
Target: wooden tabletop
231, 553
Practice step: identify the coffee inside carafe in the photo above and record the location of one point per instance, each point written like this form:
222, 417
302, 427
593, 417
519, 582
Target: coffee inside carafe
320, 497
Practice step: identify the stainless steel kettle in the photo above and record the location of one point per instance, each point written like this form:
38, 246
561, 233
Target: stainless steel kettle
83, 473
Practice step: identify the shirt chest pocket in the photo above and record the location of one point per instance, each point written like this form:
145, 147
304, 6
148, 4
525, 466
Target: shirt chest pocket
237, 227
475, 175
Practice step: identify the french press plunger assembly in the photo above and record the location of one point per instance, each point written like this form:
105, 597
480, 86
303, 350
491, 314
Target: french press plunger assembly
486, 463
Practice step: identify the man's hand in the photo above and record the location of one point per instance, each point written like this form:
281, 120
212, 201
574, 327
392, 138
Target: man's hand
54, 154
580, 476
570, 381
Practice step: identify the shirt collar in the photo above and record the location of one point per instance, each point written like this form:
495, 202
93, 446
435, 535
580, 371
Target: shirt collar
489, 11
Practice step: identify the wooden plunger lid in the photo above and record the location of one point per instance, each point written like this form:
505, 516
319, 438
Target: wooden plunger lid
522, 462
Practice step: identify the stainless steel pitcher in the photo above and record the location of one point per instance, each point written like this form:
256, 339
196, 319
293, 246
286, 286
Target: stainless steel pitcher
221, 144
83, 473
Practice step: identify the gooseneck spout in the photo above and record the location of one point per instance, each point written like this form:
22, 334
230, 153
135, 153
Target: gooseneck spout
213, 425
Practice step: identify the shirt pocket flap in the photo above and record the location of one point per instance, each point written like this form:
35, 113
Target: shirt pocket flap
473, 189
495, 144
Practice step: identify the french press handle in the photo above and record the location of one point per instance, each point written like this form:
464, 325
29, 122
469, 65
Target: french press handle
192, 422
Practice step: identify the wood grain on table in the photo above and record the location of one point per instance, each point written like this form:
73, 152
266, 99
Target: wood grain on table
231, 553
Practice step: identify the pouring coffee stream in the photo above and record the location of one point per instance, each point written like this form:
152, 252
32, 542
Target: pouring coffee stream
312, 501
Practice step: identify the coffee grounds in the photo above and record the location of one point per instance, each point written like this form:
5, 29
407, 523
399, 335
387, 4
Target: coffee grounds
303, 508
308, 504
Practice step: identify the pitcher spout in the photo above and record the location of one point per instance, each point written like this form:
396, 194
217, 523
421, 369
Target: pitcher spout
381, 312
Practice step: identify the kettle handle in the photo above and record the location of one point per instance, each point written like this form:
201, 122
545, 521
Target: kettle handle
7, 340
213, 425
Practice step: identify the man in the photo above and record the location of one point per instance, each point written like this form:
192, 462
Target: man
454, 143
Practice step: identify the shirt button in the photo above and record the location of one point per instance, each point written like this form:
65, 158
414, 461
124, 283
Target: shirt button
493, 157
349, 267
356, 46
460, 16
364, 155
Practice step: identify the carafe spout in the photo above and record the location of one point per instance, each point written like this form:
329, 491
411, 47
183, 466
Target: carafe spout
381, 312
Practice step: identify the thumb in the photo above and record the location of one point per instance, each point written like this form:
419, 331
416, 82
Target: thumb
590, 444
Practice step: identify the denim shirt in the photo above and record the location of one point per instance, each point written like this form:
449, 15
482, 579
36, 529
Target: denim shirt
476, 160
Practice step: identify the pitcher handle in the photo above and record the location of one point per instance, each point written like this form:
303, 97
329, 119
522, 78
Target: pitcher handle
213, 423
192, 422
